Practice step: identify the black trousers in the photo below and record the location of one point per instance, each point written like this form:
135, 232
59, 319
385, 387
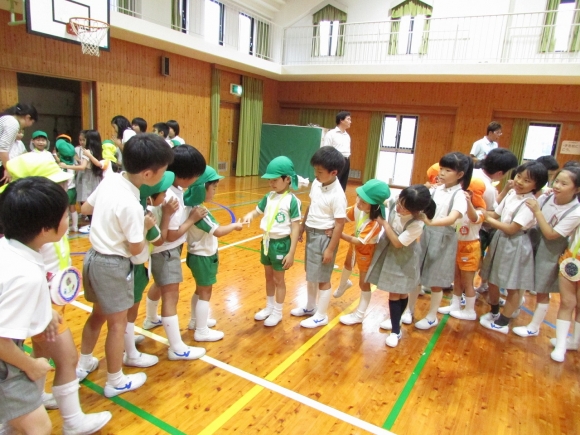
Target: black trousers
343, 175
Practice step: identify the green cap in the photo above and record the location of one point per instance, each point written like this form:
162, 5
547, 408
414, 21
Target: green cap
66, 151
39, 133
195, 194
282, 166
375, 192
146, 191
175, 142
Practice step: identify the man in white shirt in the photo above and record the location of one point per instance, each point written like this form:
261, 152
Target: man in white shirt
483, 146
338, 138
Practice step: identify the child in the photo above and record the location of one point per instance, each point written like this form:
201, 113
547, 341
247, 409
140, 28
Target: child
122, 131
139, 125
327, 209
280, 223
66, 154
509, 263
439, 241
40, 142
202, 254
174, 131
468, 255
395, 264
162, 130
12, 120
108, 163
369, 207
551, 165
33, 211
188, 165
557, 217
18, 148
117, 234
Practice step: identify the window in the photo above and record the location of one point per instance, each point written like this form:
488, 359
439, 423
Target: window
541, 140
410, 34
126, 7
410, 23
397, 148
564, 19
246, 34
179, 15
328, 36
214, 21
561, 29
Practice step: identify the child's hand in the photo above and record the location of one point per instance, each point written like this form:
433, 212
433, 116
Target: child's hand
87, 152
239, 225
51, 331
248, 218
116, 141
149, 220
327, 256
197, 213
509, 185
533, 205
39, 367
423, 217
468, 194
380, 219
329, 232
288, 261
301, 233
170, 206
62, 165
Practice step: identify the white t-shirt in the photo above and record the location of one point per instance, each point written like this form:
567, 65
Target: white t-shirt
482, 147
490, 193
442, 197
574, 239
288, 212
118, 217
179, 139
17, 149
339, 140
553, 214
176, 220
468, 231
413, 231
9, 128
25, 308
327, 203
510, 204
128, 134
200, 238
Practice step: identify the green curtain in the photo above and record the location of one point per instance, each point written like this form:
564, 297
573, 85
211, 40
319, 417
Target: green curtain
547, 40
215, 117
175, 15
263, 40
126, 7
413, 8
252, 107
518, 141
394, 38
425, 40
322, 117
575, 38
328, 13
373, 145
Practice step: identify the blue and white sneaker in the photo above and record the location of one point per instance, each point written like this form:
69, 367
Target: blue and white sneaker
524, 331
493, 327
490, 317
393, 339
132, 382
426, 323
188, 354
148, 324
302, 312
314, 322
83, 372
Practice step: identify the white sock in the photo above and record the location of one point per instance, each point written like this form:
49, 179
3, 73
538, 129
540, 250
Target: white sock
470, 303
538, 317
562, 328
344, 278
171, 326
201, 315
67, 398
576, 332
116, 379
151, 310
435, 303
312, 288
194, 300
86, 361
278, 309
270, 301
323, 301
365, 299
413, 299
129, 338
455, 302
75, 219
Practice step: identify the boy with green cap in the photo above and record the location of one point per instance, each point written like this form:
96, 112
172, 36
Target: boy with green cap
202, 253
40, 142
369, 206
281, 224
65, 152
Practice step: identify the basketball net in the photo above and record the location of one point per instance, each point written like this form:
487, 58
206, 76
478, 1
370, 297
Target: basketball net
90, 33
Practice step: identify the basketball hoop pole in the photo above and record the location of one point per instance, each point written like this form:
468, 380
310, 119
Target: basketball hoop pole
13, 21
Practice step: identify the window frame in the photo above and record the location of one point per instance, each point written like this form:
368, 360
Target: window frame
221, 21
557, 125
397, 148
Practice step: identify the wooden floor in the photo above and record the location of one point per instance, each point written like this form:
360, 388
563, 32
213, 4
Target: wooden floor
457, 379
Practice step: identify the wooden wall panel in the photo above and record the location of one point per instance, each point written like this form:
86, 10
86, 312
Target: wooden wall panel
226, 78
8, 89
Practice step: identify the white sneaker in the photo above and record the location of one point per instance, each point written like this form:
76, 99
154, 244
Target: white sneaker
350, 319
139, 339
90, 424
314, 322
463, 300
272, 320
445, 310
264, 313
148, 324
210, 324
490, 317
464, 314
132, 382
74, 229
570, 345
501, 302
386, 324
524, 331
493, 327
85, 230
49, 401
558, 355
82, 373
143, 360
426, 324
393, 339
407, 317
208, 335
340, 290
190, 353
302, 312
533, 293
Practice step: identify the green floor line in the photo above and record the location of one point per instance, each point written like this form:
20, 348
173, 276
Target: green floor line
414, 376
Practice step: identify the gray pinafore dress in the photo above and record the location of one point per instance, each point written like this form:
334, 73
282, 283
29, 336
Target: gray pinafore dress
509, 262
438, 252
392, 269
546, 255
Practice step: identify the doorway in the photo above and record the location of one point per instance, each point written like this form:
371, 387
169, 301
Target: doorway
228, 138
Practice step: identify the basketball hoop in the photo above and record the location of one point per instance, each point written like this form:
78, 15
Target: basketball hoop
90, 33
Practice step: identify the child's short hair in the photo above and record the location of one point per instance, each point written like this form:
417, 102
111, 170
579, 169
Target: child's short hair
499, 160
329, 158
536, 172
162, 128
146, 151
188, 162
29, 205
22, 109
174, 125
209, 183
341, 116
459, 162
549, 162
571, 163
493, 126
416, 199
122, 124
574, 171
141, 123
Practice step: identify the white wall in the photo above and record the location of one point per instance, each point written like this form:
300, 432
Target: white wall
157, 11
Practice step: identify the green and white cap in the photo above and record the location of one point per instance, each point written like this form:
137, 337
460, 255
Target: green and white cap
279, 167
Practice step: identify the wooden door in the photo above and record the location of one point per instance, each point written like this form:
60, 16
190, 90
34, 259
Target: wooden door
228, 137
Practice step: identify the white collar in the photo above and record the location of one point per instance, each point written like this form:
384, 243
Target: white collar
130, 186
329, 186
23, 251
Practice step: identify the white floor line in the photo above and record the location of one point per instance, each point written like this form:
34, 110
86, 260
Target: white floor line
221, 248
267, 384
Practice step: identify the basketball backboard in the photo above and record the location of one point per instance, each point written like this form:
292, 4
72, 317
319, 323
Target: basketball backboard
49, 18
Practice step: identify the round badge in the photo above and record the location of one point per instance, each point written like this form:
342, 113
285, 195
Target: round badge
65, 286
570, 268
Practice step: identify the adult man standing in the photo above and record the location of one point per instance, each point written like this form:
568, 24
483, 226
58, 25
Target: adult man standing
483, 146
339, 139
